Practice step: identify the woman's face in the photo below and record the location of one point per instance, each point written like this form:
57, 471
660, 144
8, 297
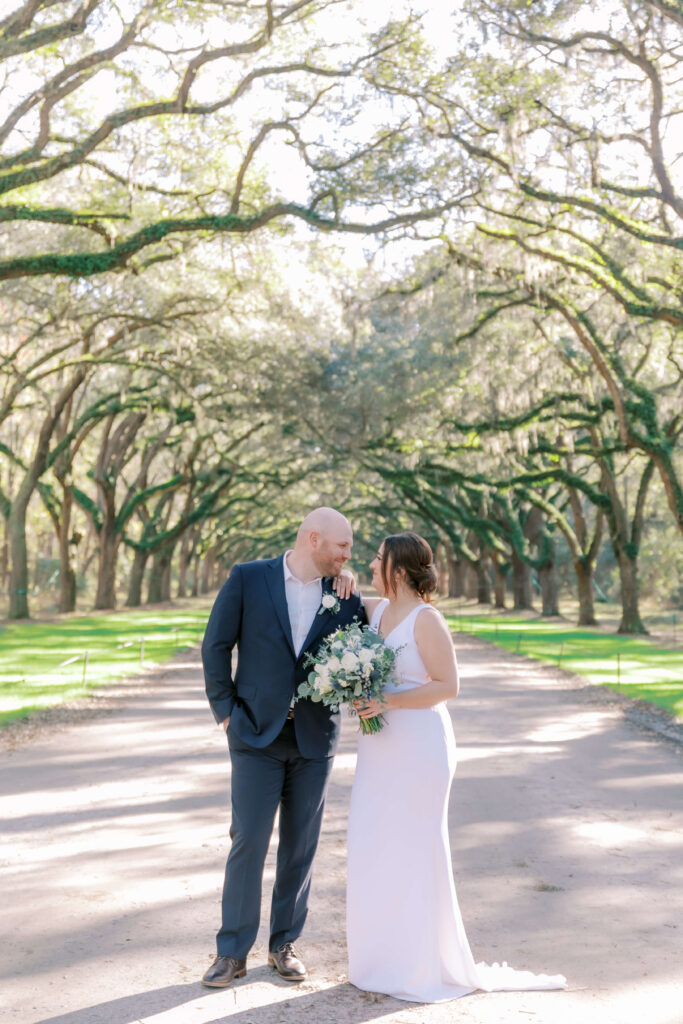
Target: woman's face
376, 566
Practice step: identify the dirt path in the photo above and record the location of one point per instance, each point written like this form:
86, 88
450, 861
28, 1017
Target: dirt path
565, 852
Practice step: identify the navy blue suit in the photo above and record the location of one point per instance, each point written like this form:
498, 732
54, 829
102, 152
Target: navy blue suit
276, 761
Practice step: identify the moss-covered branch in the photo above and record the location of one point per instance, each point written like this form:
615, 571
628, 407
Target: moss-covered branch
87, 264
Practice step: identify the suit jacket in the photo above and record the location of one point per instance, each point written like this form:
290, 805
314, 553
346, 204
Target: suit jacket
251, 613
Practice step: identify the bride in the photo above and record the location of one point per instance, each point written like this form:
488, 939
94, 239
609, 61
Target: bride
404, 930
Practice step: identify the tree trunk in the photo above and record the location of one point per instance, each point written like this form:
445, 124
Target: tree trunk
207, 571
67, 589
631, 621
549, 589
626, 542
166, 575
137, 575
109, 548
18, 577
456, 576
4, 560
441, 562
196, 563
159, 587
18, 601
521, 583
67, 575
471, 583
183, 565
483, 573
154, 582
584, 581
499, 581
105, 596
219, 574
672, 487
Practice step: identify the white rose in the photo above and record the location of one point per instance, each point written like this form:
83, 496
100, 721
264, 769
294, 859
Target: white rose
323, 683
365, 657
329, 601
333, 664
349, 662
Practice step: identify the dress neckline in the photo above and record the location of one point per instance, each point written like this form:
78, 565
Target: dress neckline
404, 619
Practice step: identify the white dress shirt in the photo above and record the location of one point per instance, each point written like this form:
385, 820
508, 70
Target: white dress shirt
303, 602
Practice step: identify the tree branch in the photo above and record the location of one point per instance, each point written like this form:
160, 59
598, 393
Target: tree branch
86, 264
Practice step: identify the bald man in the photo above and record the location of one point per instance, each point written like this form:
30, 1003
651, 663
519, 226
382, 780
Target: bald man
281, 752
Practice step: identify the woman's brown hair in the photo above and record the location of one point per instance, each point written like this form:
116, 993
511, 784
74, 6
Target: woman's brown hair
410, 552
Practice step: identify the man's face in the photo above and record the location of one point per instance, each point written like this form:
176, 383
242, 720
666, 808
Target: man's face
331, 549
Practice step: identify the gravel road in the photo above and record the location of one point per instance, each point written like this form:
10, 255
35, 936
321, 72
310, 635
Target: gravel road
567, 848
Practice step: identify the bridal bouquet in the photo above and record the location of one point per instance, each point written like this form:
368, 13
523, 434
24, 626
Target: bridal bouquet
352, 664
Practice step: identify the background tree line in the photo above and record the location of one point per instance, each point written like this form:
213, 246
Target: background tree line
190, 358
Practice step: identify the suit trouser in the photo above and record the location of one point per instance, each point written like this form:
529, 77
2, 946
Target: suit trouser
264, 779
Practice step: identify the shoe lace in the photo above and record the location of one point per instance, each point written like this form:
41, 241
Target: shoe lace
287, 949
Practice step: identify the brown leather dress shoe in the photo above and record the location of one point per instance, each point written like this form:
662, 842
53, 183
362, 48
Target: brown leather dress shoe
223, 972
287, 963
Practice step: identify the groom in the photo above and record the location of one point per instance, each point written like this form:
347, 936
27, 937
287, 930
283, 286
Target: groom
274, 613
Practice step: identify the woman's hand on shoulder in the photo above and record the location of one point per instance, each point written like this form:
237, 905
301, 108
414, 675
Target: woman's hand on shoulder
345, 584
435, 644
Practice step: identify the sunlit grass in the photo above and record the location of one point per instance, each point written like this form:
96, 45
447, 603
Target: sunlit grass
37, 666
633, 665
33, 674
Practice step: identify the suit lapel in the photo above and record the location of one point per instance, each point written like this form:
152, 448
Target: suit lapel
275, 578
321, 622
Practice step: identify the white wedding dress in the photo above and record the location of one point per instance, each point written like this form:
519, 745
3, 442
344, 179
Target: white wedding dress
404, 930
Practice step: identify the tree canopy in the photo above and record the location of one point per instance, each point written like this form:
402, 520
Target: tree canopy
195, 349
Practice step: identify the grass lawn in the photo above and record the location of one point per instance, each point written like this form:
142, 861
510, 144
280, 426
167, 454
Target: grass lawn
632, 665
44, 663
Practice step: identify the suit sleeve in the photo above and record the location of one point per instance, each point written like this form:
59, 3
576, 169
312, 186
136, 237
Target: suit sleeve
222, 632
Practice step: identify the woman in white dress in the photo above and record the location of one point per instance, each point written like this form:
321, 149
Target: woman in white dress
404, 930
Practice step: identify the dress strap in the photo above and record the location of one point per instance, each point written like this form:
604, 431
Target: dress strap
412, 616
377, 614
406, 623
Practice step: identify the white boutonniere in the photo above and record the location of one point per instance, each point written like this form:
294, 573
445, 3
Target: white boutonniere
330, 603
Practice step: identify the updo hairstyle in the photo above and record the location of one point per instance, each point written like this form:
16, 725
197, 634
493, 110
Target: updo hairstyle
410, 552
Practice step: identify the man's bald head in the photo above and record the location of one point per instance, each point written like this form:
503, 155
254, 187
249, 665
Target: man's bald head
323, 520
324, 542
